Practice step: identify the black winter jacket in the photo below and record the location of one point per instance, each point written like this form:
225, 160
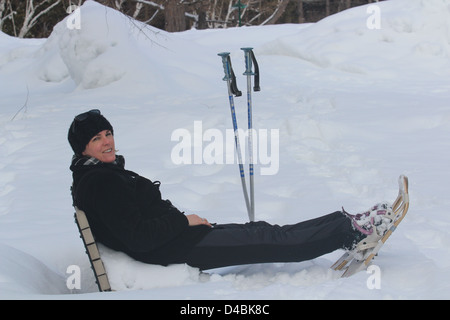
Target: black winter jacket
126, 213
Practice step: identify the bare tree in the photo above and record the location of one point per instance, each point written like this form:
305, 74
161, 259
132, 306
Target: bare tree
281, 7
6, 12
37, 17
33, 12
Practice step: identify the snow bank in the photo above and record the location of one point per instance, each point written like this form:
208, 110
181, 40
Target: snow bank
22, 274
109, 47
369, 39
96, 54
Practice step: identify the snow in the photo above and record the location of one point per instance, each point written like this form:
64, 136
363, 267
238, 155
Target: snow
355, 106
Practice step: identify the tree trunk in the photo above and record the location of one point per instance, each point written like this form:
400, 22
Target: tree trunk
201, 23
174, 16
301, 12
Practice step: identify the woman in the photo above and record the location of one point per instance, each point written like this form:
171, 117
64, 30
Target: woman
127, 213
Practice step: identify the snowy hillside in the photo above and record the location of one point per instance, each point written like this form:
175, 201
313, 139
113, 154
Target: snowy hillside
355, 104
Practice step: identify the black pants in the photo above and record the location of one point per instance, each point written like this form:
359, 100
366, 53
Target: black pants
261, 242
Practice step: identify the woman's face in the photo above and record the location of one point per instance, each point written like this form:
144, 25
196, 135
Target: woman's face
101, 147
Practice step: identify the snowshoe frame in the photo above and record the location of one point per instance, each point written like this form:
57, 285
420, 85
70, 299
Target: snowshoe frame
101, 278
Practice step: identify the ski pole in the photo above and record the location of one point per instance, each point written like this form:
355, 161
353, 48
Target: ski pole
249, 58
230, 78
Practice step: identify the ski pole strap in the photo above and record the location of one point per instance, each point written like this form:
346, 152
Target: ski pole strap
249, 58
256, 86
234, 88
229, 73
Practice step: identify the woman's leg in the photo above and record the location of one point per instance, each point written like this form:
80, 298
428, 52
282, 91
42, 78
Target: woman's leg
260, 242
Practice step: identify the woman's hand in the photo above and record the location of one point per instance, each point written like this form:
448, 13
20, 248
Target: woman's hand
195, 220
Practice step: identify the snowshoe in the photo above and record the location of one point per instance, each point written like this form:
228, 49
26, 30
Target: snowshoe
378, 224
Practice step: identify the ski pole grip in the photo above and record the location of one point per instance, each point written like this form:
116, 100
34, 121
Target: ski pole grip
225, 56
229, 73
249, 58
248, 62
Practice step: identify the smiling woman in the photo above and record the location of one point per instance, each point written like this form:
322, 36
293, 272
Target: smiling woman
127, 213
90, 130
101, 147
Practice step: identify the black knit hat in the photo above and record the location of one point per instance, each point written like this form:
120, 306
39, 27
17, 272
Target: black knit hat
85, 126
